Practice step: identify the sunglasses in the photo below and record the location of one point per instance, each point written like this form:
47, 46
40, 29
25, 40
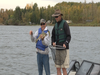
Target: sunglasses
56, 16
42, 23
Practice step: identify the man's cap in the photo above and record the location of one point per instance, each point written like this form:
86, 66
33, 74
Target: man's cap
42, 21
57, 13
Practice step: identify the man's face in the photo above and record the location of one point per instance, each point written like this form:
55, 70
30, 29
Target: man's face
58, 18
43, 25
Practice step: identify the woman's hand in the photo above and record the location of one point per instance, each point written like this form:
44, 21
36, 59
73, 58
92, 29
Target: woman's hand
41, 36
31, 32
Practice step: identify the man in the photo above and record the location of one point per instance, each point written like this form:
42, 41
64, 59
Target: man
61, 36
42, 39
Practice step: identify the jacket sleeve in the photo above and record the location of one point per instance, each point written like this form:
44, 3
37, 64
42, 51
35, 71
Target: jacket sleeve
33, 37
46, 40
53, 36
67, 32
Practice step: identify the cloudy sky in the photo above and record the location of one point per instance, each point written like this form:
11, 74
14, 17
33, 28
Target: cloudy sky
11, 4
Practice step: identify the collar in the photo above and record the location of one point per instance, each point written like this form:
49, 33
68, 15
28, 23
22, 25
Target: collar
45, 29
60, 20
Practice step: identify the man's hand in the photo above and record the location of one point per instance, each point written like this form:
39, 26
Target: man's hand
31, 32
64, 45
54, 44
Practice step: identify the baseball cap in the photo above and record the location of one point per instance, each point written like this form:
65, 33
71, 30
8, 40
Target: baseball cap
42, 21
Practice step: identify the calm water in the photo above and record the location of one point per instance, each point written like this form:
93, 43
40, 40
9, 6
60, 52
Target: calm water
18, 56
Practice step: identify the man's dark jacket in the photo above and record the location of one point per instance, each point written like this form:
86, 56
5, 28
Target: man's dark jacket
67, 32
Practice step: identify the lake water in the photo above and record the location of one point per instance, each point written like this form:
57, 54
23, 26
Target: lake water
18, 56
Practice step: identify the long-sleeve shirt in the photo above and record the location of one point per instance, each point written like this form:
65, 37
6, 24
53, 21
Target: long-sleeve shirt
45, 42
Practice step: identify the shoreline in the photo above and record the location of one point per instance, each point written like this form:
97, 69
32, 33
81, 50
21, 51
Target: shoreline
70, 24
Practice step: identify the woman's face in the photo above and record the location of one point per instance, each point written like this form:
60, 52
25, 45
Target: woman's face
43, 25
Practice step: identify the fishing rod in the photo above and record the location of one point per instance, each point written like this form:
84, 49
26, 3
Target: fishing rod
16, 69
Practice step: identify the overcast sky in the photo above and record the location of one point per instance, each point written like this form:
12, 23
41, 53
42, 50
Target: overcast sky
11, 4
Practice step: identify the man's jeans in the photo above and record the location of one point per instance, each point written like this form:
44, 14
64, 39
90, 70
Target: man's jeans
43, 60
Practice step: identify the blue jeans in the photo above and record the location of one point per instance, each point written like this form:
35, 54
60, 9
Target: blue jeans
43, 60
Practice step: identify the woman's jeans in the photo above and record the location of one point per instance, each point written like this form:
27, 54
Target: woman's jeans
43, 60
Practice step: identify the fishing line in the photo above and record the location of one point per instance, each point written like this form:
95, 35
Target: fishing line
16, 69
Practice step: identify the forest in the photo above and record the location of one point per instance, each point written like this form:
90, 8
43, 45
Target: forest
78, 13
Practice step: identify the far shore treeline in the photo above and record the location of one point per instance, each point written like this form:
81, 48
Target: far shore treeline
87, 14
